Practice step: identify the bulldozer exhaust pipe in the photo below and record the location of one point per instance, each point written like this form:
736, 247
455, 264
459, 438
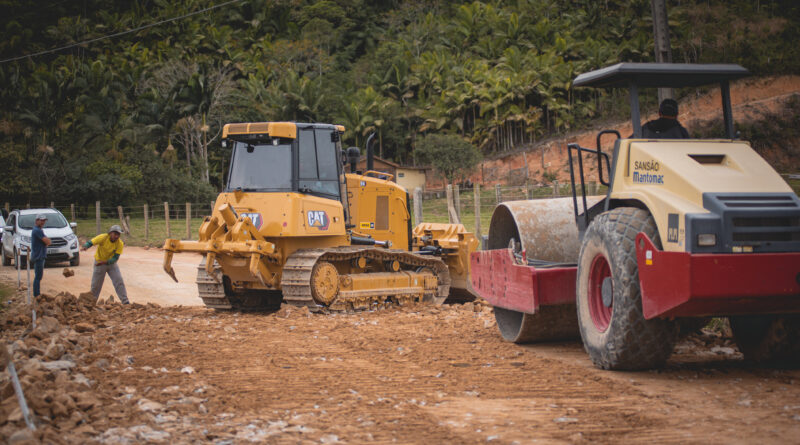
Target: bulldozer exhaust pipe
370, 153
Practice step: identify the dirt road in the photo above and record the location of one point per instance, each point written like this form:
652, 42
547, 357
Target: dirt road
418, 374
145, 280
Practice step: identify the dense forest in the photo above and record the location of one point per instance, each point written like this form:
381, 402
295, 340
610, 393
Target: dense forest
91, 111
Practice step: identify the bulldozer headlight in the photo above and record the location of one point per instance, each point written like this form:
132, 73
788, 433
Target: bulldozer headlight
707, 239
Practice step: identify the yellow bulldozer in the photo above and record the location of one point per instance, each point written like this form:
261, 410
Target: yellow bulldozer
292, 225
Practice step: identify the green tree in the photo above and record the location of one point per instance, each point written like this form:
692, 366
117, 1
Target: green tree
450, 154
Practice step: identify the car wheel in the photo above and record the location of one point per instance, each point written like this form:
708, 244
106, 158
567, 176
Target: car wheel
75, 261
6, 259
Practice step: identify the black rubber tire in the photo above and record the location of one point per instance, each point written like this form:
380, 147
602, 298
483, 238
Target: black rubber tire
549, 324
771, 339
75, 262
6, 260
629, 342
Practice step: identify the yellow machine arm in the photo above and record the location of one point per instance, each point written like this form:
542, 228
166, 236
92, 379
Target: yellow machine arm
457, 244
224, 234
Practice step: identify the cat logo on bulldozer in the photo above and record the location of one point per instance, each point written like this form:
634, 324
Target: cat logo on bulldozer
318, 219
255, 218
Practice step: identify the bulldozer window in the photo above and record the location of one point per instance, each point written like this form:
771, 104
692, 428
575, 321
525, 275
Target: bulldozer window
267, 167
318, 169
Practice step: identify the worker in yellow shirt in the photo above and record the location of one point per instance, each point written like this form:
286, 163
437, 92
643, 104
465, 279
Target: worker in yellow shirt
109, 248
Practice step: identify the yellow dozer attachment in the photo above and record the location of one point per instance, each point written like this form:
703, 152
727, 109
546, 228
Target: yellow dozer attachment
292, 226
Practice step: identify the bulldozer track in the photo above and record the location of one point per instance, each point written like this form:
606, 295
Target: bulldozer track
211, 291
296, 277
213, 294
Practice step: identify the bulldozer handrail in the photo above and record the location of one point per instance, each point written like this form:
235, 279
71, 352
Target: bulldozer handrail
378, 174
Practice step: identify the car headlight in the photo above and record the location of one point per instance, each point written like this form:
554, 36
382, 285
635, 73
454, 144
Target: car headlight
25, 239
71, 237
74, 245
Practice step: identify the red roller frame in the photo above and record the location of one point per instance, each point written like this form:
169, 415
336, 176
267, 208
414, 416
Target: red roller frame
503, 283
679, 284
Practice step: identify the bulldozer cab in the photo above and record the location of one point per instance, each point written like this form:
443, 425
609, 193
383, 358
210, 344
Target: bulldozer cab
636, 77
285, 158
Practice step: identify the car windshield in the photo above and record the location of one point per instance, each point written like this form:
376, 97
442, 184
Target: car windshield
54, 221
261, 166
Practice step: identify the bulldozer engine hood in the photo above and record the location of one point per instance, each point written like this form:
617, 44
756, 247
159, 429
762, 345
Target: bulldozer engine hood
287, 214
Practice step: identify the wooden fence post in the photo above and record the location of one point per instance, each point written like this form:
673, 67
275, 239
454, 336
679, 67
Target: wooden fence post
8, 207
97, 216
122, 222
457, 200
593, 188
417, 206
72, 212
497, 196
555, 188
146, 222
188, 220
166, 218
477, 193
28, 205
211, 212
452, 216
52, 205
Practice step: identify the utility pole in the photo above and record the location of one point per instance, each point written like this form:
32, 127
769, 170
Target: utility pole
661, 38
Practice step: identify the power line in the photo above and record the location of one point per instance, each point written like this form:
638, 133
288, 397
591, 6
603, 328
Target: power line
121, 33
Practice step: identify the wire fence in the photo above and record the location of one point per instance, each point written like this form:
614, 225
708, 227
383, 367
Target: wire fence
143, 225
75, 212
150, 223
491, 196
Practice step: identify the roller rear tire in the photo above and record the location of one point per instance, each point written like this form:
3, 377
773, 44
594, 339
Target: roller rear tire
613, 328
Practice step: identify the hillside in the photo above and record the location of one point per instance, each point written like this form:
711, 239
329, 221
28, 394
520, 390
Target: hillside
765, 111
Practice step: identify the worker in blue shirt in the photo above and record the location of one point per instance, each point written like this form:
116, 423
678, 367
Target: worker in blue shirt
39, 244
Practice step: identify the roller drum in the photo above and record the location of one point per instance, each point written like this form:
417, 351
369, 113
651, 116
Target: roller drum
545, 227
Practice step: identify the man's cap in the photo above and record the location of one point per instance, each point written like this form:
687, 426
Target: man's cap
41, 216
115, 228
668, 107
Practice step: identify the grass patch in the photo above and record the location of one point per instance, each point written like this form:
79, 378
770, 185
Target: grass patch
5, 292
156, 235
435, 209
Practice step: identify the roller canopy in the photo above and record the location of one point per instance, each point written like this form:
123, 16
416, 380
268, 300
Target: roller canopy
667, 75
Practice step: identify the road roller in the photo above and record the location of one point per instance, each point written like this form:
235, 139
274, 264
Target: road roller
689, 229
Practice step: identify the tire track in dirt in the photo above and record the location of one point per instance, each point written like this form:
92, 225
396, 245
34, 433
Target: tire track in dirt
417, 374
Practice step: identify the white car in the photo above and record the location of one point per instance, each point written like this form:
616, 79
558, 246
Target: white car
17, 236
